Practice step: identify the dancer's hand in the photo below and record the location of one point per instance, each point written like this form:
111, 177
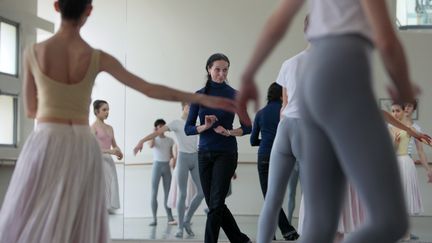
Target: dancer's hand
118, 153
424, 138
248, 91
429, 175
406, 95
138, 148
396, 138
209, 120
222, 131
218, 103
172, 163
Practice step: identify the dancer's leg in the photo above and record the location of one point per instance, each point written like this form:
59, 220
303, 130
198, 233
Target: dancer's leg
196, 201
282, 161
156, 176
333, 95
216, 170
323, 184
292, 190
166, 179
182, 178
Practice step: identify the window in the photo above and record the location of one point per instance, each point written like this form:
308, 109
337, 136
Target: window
8, 119
8, 47
414, 14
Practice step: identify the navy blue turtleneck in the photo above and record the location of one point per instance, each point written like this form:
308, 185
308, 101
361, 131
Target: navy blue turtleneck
209, 139
266, 122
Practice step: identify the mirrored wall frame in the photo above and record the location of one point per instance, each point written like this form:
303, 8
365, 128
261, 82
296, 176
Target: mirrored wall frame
8, 119
414, 14
9, 47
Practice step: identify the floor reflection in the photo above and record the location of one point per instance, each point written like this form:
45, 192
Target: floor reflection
139, 229
116, 226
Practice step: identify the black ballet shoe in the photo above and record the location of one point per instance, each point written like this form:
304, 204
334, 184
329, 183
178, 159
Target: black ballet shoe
291, 236
188, 229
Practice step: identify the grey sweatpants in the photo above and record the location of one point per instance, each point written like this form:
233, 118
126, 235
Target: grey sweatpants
160, 169
188, 162
285, 152
346, 139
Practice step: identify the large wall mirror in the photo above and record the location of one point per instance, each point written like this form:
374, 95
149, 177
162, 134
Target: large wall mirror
168, 42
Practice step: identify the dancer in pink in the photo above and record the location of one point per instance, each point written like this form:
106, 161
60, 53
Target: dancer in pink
105, 135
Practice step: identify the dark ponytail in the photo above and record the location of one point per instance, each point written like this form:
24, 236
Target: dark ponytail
209, 64
274, 92
73, 9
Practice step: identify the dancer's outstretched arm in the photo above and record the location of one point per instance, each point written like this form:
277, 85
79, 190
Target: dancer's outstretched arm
112, 66
390, 49
272, 33
149, 137
424, 138
423, 159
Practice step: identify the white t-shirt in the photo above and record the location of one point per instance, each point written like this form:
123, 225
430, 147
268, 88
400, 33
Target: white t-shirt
187, 144
288, 77
162, 149
411, 144
335, 17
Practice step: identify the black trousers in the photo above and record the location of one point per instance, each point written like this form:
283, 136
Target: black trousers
216, 170
263, 170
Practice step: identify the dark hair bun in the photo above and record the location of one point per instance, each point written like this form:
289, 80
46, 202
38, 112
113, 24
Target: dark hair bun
73, 9
97, 104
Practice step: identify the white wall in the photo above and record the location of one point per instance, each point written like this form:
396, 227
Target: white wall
168, 42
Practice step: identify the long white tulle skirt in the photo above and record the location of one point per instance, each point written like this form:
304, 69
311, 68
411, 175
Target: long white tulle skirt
410, 185
57, 191
112, 194
352, 215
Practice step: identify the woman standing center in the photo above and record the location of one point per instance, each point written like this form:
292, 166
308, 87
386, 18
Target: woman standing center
217, 150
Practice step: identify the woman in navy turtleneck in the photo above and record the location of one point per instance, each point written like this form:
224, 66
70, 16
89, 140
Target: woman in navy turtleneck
217, 151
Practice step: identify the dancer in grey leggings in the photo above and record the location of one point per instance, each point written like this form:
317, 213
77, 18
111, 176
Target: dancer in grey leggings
187, 162
286, 151
292, 190
162, 154
338, 142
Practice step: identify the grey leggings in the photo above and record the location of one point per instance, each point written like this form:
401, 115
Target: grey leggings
345, 138
188, 162
292, 190
160, 169
285, 152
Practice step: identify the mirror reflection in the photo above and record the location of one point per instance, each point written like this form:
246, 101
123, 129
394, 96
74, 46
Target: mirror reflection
176, 171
